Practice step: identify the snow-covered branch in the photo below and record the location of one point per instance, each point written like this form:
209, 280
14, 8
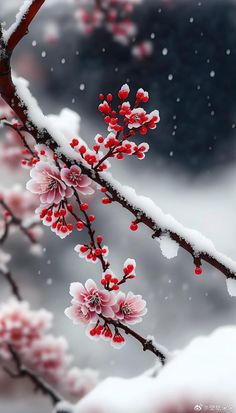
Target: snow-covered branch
17, 95
24, 17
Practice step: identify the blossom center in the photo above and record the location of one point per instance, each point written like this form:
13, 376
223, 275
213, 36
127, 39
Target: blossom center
126, 309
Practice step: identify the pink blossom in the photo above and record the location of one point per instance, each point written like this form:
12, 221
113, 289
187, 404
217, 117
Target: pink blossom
46, 181
74, 177
129, 309
22, 203
79, 313
95, 300
48, 356
20, 326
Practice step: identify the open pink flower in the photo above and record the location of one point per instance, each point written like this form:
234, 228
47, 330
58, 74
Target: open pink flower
74, 177
95, 300
79, 313
129, 309
46, 181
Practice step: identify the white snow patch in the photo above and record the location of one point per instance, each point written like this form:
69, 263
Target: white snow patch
169, 247
201, 374
231, 286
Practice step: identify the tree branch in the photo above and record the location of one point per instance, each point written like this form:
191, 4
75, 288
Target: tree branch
20, 28
147, 344
14, 287
18, 222
184, 238
22, 371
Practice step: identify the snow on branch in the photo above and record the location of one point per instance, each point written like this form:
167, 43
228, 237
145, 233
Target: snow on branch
144, 209
18, 96
24, 17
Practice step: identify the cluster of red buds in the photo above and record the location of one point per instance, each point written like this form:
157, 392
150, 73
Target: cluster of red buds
56, 216
105, 332
111, 282
124, 123
93, 251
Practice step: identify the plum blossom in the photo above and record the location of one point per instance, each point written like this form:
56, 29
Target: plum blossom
49, 357
73, 177
79, 313
20, 326
92, 299
46, 182
129, 309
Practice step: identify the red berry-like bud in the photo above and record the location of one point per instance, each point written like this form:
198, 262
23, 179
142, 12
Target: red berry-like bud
115, 287
109, 97
106, 201
63, 212
42, 152
84, 207
80, 225
82, 149
74, 142
103, 282
70, 207
101, 96
92, 218
103, 189
108, 277
69, 227
96, 148
99, 239
83, 248
133, 226
115, 280
198, 271
100, 139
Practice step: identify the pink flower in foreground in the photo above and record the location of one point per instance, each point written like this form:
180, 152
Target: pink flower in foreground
129, 309
95, 300
46, 181
79, 313
74, 177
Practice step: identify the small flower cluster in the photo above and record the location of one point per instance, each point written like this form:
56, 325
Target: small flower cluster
91, 252
55, 186
103, 309
114, 15
124, 124
25, 332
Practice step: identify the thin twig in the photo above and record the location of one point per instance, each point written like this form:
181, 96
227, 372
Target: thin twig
14, 287
22, 371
